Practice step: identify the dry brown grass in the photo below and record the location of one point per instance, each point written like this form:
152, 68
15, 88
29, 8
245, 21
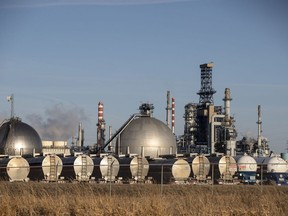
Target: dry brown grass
34, 198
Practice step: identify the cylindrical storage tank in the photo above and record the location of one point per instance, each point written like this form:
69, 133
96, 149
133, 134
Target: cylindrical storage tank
277, 165
52, 167
147, 136
200, 167
15, 169
181, 170
18, 138
246, 163
83, 167
133, 168
247, 167
285, 156
109, 167
227, 167
139, 168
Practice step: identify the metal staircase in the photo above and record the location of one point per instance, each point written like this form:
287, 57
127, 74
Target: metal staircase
201, 169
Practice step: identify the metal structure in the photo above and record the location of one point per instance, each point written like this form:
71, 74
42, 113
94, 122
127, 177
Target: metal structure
206, 92
208, 130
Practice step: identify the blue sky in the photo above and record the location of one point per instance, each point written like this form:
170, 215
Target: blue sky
60, 58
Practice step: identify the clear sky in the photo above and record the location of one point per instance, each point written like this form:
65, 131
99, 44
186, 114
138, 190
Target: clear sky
60, 58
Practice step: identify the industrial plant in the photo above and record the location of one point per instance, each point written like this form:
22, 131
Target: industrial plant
147, 150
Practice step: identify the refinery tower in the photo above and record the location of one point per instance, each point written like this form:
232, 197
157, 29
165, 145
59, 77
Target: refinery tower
208, 129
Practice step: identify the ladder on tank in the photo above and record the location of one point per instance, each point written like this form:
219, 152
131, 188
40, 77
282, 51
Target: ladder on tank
140, 169
53, 168
201, 169
227, 174
84, 168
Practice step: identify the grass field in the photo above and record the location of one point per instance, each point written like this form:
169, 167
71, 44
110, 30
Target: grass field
34, 198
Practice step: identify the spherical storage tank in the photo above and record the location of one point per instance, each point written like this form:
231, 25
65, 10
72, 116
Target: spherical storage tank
227, 167
19, 138
277, 165
147, 136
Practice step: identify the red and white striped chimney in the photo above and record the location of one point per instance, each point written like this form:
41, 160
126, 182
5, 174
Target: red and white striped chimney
173, 116
100, 112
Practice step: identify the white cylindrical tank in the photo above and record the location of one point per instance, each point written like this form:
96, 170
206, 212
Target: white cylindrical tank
247, 163
139, 168
17, 169
109, 167
181, 170
227, 167
200, 167
277, 165
52, 167
83, 167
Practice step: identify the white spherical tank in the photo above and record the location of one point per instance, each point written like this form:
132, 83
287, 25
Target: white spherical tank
147, 136
277, 165
200, 167
18, 138
52, 167
109, 168
83, 167
139, 167
181, 170
227, 166
247, 163
18, 169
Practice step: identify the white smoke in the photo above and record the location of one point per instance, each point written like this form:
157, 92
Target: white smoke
59, 122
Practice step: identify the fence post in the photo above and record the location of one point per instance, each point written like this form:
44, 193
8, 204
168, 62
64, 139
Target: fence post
212, 177
161, 188
261, 177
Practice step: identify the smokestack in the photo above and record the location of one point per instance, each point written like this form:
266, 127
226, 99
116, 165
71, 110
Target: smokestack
173, 115
168, 108
100, 126
80, 136
227, 100
259, 122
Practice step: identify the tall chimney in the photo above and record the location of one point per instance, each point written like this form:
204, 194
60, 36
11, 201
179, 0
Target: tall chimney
100, 126
168, 108
173, 115
259, 122
80, 136
227, 100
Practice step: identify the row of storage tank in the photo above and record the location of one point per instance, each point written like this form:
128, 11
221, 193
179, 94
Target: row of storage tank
136, 169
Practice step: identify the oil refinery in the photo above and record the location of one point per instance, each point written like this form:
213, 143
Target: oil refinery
147, 150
